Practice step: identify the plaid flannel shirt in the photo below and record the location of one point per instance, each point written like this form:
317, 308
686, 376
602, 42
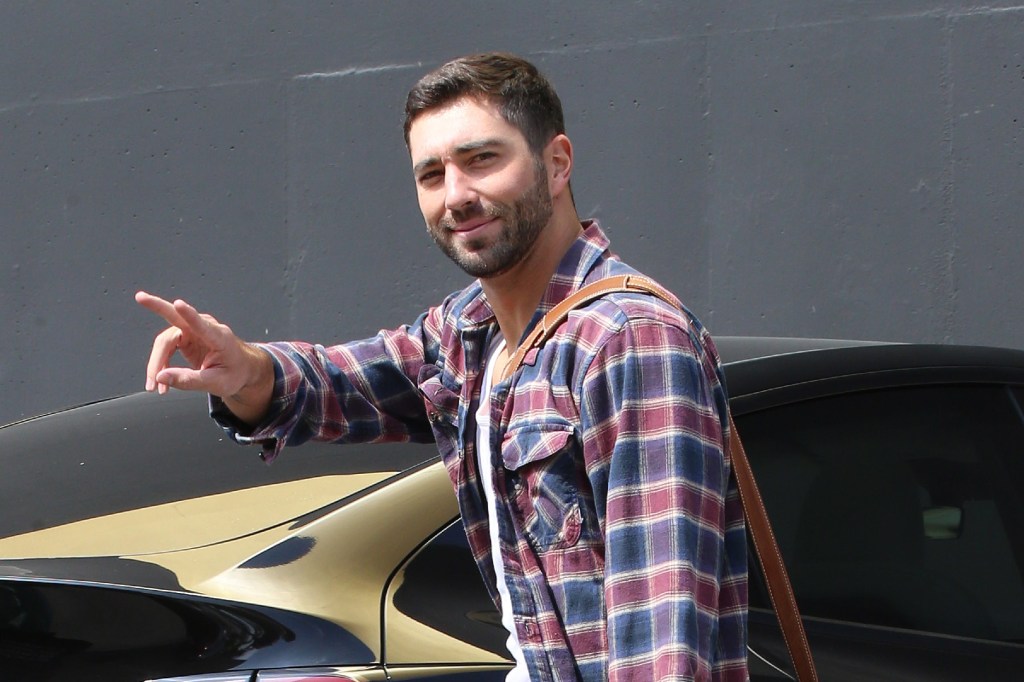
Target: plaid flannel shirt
620, 523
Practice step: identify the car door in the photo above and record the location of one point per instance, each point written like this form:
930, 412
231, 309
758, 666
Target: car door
898, 512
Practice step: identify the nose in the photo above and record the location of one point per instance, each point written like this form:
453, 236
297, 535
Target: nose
458, 189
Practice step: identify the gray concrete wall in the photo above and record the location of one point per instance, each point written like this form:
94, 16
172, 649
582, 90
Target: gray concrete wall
810, 167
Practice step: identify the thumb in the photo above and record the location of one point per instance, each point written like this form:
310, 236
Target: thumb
181, 378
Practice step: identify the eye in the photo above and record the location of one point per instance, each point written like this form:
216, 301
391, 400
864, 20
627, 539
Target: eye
482, 157
429, 177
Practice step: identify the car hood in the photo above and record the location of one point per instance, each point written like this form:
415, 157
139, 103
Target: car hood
146, 474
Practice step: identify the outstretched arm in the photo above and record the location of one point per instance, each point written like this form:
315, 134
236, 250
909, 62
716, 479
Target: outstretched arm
219, 362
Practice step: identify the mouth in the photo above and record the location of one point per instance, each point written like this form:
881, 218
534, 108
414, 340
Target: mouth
473, 226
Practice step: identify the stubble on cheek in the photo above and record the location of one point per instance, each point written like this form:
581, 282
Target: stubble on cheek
522, 222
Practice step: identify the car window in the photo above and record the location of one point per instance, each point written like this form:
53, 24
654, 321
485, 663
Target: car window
899, 507
440, 589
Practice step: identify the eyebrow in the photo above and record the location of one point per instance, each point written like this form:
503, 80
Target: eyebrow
460, 150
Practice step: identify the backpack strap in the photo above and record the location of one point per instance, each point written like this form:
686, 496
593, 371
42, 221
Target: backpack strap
780, 591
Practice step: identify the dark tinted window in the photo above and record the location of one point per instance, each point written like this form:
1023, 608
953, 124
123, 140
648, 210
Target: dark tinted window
899, 507
441, 587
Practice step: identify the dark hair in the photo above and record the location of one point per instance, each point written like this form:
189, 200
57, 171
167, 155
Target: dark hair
523, 95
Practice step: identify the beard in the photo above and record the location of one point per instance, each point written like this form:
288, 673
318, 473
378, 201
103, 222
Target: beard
522, 222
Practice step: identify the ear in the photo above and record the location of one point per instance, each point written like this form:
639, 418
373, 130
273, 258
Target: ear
558, 158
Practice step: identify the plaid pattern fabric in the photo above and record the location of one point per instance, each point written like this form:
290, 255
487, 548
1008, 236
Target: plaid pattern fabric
620, 521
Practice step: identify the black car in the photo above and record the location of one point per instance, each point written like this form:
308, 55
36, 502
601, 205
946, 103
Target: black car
137, 543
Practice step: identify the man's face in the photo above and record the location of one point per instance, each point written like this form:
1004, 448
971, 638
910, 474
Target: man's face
483, 193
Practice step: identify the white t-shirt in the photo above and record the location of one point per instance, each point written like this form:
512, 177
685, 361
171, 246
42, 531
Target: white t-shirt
483, 449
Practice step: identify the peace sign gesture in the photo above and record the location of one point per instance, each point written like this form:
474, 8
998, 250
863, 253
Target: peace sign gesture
219, 362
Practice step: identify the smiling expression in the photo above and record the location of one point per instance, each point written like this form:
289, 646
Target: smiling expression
483, 193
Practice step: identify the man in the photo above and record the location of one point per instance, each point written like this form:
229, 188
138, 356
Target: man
593, 483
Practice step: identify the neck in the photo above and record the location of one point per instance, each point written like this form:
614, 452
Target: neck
515, 294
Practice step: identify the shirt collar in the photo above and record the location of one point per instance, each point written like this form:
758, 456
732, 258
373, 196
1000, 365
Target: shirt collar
590, 248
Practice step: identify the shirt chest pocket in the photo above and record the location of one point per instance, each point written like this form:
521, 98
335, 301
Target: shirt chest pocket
545, 477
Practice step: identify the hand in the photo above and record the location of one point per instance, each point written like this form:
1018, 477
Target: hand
219, 362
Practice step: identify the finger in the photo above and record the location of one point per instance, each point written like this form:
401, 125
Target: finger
161, 307
204, 327
164, 347
180, 378
166, 342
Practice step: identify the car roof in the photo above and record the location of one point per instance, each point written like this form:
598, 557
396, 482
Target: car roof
763, 371
740, 348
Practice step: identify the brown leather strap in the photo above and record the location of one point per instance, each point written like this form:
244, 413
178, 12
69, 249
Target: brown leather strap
780, 591
556, 316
